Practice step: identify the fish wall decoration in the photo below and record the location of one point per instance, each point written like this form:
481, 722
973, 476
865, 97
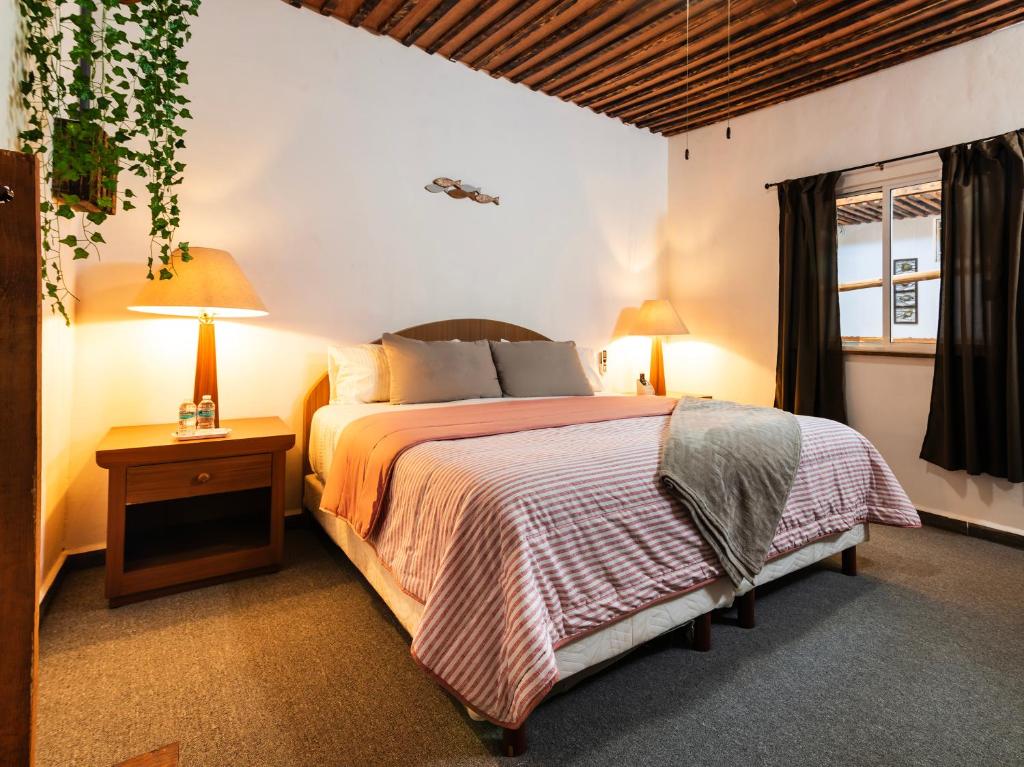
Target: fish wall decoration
455, 189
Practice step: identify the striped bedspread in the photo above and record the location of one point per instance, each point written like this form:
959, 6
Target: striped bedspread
519, 543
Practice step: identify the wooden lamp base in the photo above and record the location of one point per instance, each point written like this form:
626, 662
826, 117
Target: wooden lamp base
206, 366
657, 376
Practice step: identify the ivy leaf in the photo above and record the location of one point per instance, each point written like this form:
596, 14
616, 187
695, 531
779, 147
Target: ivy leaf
101, 93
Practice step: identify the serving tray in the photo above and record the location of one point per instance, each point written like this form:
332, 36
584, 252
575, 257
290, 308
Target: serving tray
202, 434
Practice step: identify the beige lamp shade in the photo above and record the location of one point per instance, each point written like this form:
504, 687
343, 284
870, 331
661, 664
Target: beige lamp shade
211, 285
657, 317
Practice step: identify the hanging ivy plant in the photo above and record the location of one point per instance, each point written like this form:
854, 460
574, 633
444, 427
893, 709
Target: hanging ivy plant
103, 92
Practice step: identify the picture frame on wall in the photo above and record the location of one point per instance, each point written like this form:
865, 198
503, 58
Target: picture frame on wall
904, 265
904, 295
905, 315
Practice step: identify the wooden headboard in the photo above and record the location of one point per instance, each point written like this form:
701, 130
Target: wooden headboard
446, 330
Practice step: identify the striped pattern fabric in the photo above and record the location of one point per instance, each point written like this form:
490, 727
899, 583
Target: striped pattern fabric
519, 543
358, 373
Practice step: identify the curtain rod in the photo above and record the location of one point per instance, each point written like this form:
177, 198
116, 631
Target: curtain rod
882, 163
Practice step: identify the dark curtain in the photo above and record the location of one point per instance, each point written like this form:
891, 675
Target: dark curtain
977, 395
809, 370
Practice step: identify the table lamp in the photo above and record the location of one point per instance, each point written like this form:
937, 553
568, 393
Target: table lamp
657, 318
209, 286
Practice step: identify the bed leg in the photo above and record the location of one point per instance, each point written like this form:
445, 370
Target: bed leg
745, 610
850, 561
513, 742
702, 633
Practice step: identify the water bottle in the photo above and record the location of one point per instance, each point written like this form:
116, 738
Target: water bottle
187, 417
205, 413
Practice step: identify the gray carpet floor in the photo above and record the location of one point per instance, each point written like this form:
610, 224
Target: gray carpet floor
918, 661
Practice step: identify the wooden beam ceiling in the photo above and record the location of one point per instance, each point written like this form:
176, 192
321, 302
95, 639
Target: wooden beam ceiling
628, 58
916, 205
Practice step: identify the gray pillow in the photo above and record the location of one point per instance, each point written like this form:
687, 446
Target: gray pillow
540, 369
439, 371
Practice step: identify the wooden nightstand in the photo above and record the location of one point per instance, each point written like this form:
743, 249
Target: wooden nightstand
186, 514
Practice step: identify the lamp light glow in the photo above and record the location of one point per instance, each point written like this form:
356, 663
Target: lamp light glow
658, 318
210, 285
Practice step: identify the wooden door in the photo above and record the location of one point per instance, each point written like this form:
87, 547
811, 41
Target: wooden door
19, 453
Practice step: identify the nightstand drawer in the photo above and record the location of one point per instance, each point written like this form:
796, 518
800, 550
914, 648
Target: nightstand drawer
164, 481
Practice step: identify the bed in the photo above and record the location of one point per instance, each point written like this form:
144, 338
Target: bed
590, 634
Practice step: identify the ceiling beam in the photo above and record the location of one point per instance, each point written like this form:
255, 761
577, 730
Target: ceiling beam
549, 44
521, 34
672, 37
862, 39
635, 60
429, 20
638, 32
640, 96
827, 80
490, 30
615, 30
824, 74
365, 9
709, 37
397, 16
459, 26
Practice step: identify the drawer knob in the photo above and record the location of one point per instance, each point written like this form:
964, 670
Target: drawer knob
202, 477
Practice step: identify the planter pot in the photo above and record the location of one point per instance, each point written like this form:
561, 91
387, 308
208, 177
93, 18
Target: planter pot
88, 189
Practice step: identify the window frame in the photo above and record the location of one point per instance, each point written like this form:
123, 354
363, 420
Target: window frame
885, 178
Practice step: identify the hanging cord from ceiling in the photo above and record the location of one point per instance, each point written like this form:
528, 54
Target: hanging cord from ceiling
686, 155
728, 56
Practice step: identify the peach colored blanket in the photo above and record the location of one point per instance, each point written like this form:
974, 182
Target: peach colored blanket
357, 483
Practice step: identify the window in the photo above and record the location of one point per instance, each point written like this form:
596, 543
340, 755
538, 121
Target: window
889, 230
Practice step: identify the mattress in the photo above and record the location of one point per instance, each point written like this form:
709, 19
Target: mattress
330, 420
601, 645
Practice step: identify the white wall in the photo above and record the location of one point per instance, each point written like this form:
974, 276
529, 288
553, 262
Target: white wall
307, 158
8, 73
58, 340
723, 226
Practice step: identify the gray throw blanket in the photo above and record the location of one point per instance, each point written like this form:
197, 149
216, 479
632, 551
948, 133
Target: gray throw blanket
732, 466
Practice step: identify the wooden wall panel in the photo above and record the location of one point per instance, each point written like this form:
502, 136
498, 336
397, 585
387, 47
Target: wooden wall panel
19, 455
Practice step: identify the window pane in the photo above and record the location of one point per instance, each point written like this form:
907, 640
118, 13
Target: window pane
916, 235
859, 219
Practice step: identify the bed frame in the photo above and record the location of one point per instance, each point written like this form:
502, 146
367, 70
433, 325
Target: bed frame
514, 741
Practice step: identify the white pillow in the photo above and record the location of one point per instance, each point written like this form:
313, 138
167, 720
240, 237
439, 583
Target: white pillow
358, 373
588, 359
